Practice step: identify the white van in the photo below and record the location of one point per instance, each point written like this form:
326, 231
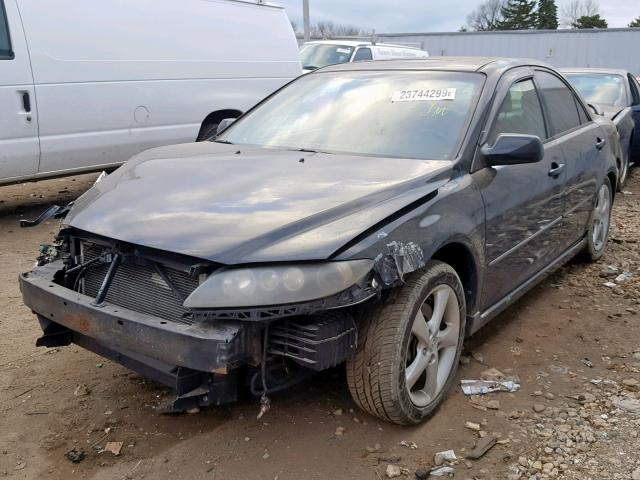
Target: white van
321, 53
84, 85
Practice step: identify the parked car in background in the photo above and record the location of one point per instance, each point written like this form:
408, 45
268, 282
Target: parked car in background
314, 55
616, 93
392, 209
86, 90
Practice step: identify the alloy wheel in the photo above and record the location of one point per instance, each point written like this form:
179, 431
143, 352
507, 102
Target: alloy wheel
433, 345
601, 216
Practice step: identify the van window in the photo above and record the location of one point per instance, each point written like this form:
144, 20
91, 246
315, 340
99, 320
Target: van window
363, 54
520, 113
317, 55
5, 41
560, 101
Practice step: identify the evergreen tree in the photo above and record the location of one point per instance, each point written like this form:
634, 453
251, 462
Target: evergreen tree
518, 15
635, 23
590, 21
547, 15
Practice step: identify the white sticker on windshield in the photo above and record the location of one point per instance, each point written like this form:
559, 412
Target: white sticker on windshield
343, 50
422, 95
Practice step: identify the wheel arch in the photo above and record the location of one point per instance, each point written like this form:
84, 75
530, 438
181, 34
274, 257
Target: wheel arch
461, 258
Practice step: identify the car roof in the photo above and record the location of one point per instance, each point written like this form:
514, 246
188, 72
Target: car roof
462, 64
610, 71
355, 43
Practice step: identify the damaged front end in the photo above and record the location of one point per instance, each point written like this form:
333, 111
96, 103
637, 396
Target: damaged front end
189, 324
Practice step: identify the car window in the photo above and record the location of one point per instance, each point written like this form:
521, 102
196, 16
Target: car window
562, 109
363, 54
635, 90
5, 40
316, 55
408, 114
599, 88
520, 112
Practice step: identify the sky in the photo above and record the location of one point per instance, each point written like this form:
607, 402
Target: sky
396, 16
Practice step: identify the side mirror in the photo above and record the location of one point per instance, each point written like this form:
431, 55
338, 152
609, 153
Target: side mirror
514, 149
224, 124
595, 109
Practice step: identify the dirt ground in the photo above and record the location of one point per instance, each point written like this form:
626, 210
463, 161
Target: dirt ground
573, 342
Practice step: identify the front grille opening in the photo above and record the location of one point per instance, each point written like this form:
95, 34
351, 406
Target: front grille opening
140, 287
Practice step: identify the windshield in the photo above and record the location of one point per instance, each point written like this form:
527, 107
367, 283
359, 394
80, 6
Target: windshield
599, 88
316, 55
420, 114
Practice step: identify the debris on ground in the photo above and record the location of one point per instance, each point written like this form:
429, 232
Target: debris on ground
113, 447
473, 426
442, 457
81, 391
442, 472
75, 456
411, 445
483, 446
482, 387
587, 362
393, 471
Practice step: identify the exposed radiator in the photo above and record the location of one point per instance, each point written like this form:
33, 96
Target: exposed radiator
140, 287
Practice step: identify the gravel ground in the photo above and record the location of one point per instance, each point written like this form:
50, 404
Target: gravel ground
572, 342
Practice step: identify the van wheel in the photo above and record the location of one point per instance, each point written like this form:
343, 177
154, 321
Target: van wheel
207, 132
407, 360
598, 230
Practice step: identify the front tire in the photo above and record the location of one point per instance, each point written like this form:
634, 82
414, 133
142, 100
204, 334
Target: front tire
624, 172
409, 354
599, 222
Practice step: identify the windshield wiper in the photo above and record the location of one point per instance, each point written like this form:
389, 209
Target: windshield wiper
226, 142
310, 67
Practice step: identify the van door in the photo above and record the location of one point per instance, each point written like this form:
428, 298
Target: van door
19, 146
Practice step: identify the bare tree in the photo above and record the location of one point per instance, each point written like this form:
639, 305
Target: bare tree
487, 16
575, 9
329, 29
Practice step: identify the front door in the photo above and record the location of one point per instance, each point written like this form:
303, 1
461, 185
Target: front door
523, 203
19, 146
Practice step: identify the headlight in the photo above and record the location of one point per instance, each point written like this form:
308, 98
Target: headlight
277, 285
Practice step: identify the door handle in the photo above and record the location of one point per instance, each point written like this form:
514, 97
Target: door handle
600, 142
26, 102
556, 169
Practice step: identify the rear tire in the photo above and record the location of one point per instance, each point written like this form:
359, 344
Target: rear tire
407, 359
599, 222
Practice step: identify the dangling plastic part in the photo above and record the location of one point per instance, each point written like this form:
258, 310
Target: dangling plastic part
265, 402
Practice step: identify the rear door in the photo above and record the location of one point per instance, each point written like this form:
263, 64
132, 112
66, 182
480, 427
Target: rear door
635, 108
523, 203
19, 147
582, 142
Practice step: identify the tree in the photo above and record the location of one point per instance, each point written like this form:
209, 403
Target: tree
330, 29
590, 21
575, 9
487, 16
518, 15
635, 23
547, 15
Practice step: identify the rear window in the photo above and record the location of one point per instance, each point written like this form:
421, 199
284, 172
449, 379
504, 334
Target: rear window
599, 88
5, 41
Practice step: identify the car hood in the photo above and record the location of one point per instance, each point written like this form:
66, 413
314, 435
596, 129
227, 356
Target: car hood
232, 204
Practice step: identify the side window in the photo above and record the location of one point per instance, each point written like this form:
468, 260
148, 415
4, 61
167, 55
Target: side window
635, 90
520, 112
5, 42
362, 54
562, 108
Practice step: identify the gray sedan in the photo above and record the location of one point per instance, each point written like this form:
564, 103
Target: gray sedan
369, 214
